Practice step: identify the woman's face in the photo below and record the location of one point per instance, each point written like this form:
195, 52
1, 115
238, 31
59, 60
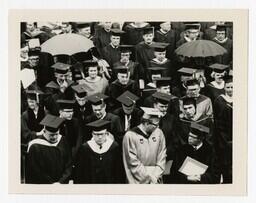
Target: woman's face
93, 72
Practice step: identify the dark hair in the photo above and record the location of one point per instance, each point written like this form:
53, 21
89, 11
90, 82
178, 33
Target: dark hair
192, 82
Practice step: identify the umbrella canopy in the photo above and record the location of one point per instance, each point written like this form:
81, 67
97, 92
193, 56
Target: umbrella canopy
68, 44
200, 48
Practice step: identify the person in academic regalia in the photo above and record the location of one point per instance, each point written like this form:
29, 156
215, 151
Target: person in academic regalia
134, 68
98, 102
223, 40
111, 52
59, 88
94, 82
134, 32
200, 151
102, 36
84, 29
163, 86
145, 52
160, 59
99, 160
30, 127
203, 103
48, 158
144, 150
223, 112
166, 35
129, 114
70, 129
120, 85
188, 117
216, 87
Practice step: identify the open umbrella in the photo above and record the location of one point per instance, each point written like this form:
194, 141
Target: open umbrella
67, 44
200, 48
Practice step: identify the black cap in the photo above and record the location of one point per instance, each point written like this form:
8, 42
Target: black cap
192, 82
148, 30
61, 68
199, 130
156, 70
228, 78
81, 25
97, 99
127, 98
192, 26
221, 28
90, 63
159, 47
164, 81
121, 69
219, 68
52, 123
117, 32
66, 104
34, 94
162, 97
80, 90
187, 71
34, 52
188, 101
126, 48
99, 125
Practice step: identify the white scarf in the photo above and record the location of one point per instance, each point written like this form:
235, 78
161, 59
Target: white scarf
104, 148
44, 142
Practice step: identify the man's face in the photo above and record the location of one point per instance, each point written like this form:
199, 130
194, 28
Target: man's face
154, 77
152, 125
218, 77
189, 110
166, 26
229, 89
51, 137
67, 113
192, 34
123, 78
220, 35
128, 109
99, 110
24, 52
193, 90
115, 40
161, 107
125, 57
85, 31
160, 56
193, 140
148, 38
60, 77
80, 100
164, 89
33, 61
66, 27
30, 26
32, 104
107, 25
100, 136
92, 72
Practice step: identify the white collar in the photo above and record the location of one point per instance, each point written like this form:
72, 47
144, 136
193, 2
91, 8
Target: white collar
164, 32
115, 47
227, 98
103, 116
160, 62
218, 86
104, 148
198, 146
223, 41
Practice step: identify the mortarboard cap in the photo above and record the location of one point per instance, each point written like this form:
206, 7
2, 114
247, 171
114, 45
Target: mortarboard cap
99, 125
80, 90
162, 97
127, 98
228, 78
121, 69
156, 70
192, 26
97, 99
198, 129
187, 71
90, 63
188, 101
126, 48
151, 112
192, 82
159, 47
221, 28
148, 30
219, 68
34, 94
61, 68
66, 104
164, 81
117, 32
52, 123
34, 52
81, 25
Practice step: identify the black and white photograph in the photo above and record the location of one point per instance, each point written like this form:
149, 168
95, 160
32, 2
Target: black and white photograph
113, 103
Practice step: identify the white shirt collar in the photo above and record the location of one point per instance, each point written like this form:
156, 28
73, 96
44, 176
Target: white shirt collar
104, 148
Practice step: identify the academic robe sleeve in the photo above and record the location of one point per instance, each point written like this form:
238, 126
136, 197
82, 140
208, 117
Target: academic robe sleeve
26, 134
134, 165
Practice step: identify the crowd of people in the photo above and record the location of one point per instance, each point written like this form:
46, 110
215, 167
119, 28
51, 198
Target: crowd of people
129, 109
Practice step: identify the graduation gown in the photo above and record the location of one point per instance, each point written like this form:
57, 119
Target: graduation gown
144, 156
169, 69
205, 154
212, 92
101, 38
111, 55
48, 163
227, 57
134, 35
99, 166
116, 89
